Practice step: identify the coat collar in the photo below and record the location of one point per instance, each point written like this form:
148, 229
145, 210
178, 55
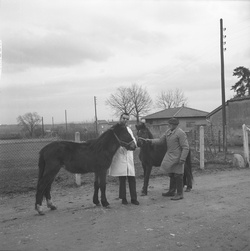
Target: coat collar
169, 132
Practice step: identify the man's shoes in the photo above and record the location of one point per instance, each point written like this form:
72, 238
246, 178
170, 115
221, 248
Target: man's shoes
188, 189
177, 197
168, 194
124, 202
135, 202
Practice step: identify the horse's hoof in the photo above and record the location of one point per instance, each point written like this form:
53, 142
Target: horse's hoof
39, 209
105, 204
97, 204
143, 194
51, 205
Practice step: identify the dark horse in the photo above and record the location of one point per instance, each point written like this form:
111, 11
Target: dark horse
152, 155
91, 156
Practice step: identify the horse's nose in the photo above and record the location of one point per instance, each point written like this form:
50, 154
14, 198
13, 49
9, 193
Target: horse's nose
132, 146
139, 143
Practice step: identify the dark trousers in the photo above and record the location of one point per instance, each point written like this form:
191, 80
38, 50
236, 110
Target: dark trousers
132, 187
176, 183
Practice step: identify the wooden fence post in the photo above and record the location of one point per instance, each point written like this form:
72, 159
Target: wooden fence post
246, 144
77, 175
201, 147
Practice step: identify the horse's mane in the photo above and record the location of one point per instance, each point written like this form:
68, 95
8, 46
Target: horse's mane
98, 144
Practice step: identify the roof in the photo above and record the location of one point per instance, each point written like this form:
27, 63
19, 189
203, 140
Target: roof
237, 99
177, 112
102, 121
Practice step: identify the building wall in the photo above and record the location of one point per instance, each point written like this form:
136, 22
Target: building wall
237, 114
186, 124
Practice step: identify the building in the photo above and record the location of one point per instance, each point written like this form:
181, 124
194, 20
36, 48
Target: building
188, 118
237, 114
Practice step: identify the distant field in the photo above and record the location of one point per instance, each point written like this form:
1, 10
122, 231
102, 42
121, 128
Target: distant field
20, 153
18, 164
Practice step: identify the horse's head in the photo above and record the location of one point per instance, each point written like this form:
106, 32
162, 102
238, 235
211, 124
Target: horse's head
123, 137
142, 133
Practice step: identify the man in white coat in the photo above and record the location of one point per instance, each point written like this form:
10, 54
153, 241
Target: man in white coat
123, 166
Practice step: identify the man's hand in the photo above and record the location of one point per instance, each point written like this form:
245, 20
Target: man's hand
181, 161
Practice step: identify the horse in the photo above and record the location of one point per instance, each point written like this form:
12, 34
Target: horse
152, 155
92, 156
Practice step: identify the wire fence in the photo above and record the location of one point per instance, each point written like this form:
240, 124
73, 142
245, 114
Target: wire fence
19, 159
19, 162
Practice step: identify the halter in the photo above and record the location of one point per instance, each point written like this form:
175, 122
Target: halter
121, 142
141, 138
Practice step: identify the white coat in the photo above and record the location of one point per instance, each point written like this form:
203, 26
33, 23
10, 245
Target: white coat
123, 161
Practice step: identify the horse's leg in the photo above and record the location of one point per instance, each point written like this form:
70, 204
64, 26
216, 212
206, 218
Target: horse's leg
44, 185
102, 180
48, 197
41, 188
96, 190
185, 175
146, 179
143, 191
188, 178
39, 197
188, 173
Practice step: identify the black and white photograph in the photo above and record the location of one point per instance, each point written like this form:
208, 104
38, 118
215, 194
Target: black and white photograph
124, 125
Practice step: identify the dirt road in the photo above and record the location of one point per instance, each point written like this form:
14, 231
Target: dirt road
215, 215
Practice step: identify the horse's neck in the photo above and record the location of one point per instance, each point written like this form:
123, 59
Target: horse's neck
150, 135
111, 146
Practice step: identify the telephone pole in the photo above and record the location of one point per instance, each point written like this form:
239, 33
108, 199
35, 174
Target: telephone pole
223, 85
96, 126
66, 123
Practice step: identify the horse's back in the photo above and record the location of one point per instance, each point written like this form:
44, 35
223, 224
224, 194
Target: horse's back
62, 150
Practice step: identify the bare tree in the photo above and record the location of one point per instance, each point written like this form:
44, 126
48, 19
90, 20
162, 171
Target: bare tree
120, 101
134, 100
141, 100
29, 121
170, 99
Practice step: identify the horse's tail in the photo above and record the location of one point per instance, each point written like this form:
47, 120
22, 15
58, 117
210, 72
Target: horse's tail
41, 165
189, 164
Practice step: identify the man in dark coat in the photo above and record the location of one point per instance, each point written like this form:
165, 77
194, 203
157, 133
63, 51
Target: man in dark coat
175, 157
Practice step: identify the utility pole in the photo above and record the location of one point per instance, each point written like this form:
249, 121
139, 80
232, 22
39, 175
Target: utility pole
66, 125
96, 127
42, 128
223, 85
1, 58
52, 123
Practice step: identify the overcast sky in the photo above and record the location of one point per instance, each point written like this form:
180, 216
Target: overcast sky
58, 54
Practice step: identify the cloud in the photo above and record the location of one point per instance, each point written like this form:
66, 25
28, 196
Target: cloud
52, 50
58, 54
